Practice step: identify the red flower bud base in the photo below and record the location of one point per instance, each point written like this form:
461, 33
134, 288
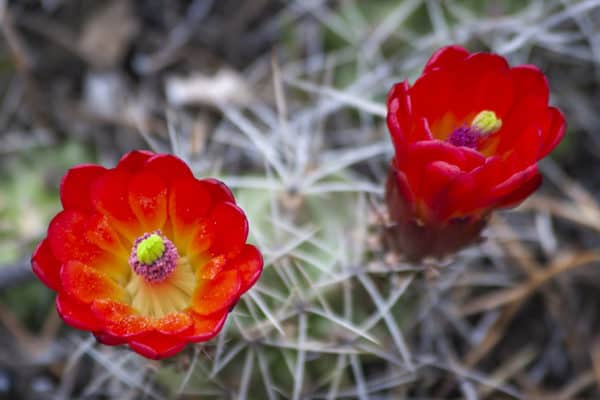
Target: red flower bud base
416, 240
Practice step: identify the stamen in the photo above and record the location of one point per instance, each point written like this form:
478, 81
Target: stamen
486, 122
464, 136
153, 257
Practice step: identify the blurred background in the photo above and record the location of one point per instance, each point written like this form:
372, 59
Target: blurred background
284, 101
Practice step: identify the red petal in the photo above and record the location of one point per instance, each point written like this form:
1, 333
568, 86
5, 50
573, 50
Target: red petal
425, 152
399, 115
206, 327
249, 264
66, 236
45, 266
528, 80
87, 284
526, 150
109, 340
217, 294
219, 191
494, 92
110, 197
134, 160
433, 107
224, 232
105, 237
470, 192
421, 131
554, 133
174, 324
517, 187
460, 197
120, 320
438, 177
157, 346
189, 203
76, 185
477, 64
168, 166
209, 269
524, 190
76, 313
420, 154
446, 57
526, 112
473, 70
228, 228
148, 200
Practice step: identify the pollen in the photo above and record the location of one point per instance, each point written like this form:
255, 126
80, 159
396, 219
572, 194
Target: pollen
153, 257
486, 122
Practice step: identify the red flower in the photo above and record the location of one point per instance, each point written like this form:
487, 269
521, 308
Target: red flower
146, 254
467, 136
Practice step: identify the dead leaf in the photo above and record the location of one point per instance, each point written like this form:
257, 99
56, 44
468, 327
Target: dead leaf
107, 35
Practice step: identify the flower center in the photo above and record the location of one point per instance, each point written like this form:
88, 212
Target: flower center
464, 136
485, 123
153, 257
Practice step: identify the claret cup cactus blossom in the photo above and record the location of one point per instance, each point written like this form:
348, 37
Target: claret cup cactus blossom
145, 254
467, 137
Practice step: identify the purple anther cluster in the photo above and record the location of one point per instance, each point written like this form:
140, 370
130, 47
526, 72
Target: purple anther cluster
465, 136
160, 269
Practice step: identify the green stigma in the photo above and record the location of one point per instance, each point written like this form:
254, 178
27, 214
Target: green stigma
150, 249
487, 122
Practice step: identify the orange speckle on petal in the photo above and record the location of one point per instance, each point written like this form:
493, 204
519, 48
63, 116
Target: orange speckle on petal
211, 268
88, 284
101, 233
206, 327
120, 319
174, 323
216, 294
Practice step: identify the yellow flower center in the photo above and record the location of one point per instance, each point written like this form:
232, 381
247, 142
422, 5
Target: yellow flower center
487, 122
172, 295
163, 282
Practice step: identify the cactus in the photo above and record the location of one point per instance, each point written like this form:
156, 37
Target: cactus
337, 313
